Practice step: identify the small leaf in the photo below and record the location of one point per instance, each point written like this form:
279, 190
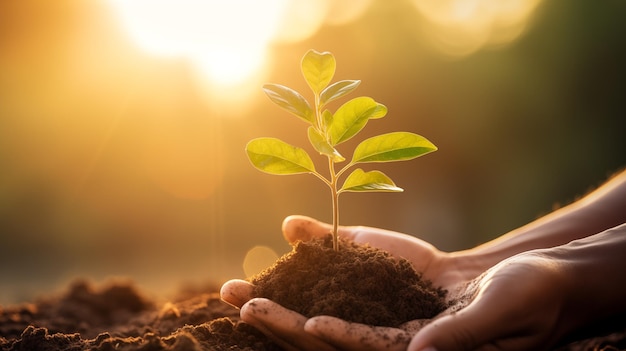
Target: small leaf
359, 180
322, 146
275, 156
397, 146
290, 100
352, 116
337, 90
318, 69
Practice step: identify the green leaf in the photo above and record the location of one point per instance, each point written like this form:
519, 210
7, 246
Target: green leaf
275, 156
359, 180
318, 69
397, 146
290, 100
322, 146
352, 116
338, 90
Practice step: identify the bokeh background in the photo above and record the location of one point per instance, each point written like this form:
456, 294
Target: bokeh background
123, 126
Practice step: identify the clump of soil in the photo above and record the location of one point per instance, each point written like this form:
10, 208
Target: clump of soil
357, 283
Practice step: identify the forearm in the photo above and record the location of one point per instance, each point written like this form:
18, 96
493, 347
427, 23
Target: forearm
593, 269
602, 209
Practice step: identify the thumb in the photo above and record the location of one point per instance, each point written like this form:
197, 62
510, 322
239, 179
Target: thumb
302, 228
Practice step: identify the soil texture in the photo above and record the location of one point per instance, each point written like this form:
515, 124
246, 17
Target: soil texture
312, 279
356, 283
117, 316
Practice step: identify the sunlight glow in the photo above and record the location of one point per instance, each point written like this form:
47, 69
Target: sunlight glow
229, 66
227, 40
462, 27
345, 11
302, 19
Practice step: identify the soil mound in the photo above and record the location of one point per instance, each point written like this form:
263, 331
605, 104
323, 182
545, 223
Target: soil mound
356, 283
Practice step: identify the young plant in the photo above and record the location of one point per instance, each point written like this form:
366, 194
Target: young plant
327, 130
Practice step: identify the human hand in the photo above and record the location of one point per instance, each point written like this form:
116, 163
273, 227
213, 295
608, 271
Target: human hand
516, 305
288, 328
293, 331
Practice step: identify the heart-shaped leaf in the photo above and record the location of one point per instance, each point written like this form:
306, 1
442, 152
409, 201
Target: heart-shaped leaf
291, 101
338, 90
322, 146
360, 180
275, 156
318, 69
352, 116
397, 146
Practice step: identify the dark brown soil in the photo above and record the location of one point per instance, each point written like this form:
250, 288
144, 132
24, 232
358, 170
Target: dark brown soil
356, 283
117, 316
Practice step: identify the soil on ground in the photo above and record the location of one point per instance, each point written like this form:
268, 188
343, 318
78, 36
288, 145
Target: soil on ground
118, 316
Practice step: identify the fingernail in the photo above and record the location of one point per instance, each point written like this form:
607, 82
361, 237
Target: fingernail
429, 348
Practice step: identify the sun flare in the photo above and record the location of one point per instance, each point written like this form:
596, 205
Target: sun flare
459, 28
226, 40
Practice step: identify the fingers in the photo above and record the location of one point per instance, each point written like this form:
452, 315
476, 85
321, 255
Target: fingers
236, 292
355, 336
283, 326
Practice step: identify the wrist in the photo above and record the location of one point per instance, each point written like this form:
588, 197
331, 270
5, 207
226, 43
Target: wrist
591, 273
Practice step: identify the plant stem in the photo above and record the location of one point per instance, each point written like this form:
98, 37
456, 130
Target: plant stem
335, 200
332, 184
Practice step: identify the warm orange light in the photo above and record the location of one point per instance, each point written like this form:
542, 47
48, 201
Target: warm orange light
257, 259
226, 40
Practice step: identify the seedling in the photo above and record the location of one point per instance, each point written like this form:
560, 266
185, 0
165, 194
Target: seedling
327, 130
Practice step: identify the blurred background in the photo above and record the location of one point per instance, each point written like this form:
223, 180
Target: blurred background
123, 126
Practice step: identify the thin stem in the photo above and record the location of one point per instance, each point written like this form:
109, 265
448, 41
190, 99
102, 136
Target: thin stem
332, 184
335, 200
345, 168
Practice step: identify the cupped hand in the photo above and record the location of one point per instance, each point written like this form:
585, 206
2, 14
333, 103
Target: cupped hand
517, 304
294, 331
